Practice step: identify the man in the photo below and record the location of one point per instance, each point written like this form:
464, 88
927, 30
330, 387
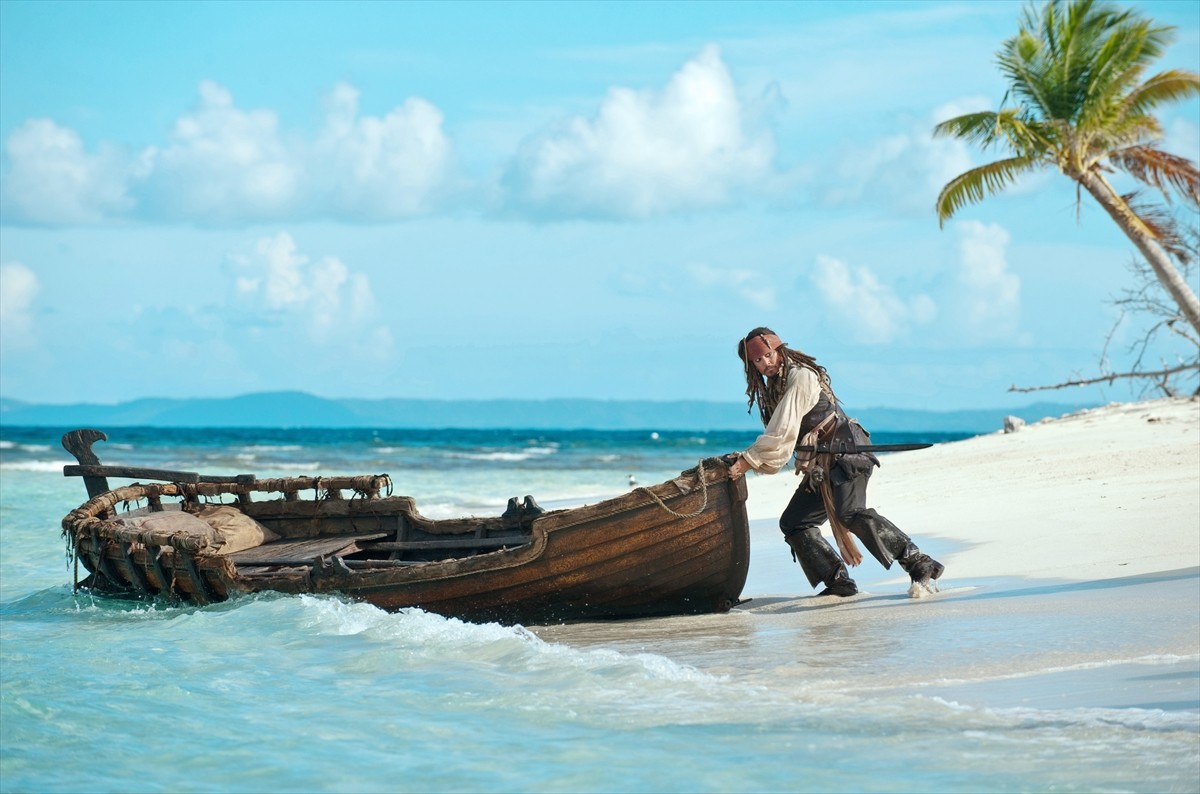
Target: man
798, 407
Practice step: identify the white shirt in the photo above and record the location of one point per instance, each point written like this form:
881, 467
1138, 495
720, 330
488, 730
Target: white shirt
772, 450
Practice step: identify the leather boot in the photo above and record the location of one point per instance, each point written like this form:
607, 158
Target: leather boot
820, 563
922, 569
883, 539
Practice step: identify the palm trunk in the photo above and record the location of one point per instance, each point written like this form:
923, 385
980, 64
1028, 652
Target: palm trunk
1168, 275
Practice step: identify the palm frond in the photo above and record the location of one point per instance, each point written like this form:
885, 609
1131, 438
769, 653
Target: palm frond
971, 187
1161, 170
973, 127
1123, 133
1174, 85
1159, 222
1025, 137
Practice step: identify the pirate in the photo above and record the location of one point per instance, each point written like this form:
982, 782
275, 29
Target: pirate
799, 409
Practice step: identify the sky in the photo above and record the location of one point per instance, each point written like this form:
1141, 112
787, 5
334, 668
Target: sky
468, 200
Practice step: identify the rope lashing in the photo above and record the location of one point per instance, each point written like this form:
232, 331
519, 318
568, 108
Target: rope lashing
703, 490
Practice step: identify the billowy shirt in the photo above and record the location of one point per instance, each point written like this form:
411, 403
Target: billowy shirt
772, 450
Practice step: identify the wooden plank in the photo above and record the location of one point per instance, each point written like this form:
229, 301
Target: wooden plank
142, 473
132, 472
457, 543
291, 552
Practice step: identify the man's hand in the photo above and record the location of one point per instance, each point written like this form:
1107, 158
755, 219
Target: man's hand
738, 467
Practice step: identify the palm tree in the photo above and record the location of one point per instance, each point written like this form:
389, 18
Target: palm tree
1082, 106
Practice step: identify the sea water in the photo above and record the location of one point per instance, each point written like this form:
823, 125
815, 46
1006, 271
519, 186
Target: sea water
304, 693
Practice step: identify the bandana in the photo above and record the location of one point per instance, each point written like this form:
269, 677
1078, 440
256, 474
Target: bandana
760, 345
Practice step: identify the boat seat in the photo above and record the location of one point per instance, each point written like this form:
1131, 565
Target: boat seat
304, 551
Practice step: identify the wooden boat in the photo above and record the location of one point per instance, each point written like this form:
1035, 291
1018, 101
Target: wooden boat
679, 547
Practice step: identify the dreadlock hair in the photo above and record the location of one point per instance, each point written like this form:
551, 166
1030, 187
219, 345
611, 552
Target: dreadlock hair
766, 392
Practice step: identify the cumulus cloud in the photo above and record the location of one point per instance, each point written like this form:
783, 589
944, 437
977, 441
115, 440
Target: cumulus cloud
227, 165
18, 288
323, 300
224, 163
378, 168
748, 285
988, 299
906, 170
646, 152
51, 179
873, 312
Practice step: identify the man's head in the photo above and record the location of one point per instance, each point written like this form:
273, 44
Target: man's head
761, 349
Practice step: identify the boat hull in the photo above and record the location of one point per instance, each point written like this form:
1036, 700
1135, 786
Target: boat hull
680, 547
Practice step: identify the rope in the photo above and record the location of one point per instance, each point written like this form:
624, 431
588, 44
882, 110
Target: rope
703, 489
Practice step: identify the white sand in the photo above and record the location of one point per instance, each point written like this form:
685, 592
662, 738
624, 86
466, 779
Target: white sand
1111, 492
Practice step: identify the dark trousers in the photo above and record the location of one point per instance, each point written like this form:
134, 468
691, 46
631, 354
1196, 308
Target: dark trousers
802, 519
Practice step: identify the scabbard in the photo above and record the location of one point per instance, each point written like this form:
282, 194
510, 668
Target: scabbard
848, 448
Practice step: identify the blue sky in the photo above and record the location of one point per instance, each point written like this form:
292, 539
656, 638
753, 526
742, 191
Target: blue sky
526, 200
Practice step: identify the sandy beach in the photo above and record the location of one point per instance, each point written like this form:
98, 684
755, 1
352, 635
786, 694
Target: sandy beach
1072, 552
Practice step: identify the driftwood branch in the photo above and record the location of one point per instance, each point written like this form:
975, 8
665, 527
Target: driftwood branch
1157, 374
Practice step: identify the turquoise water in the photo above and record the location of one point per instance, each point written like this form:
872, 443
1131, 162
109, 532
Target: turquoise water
275, 693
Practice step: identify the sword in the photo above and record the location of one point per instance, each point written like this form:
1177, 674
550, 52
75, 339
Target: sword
841, 448
850, 448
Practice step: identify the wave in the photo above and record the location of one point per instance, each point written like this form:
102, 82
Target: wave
32, 448
505, 456
419, 633
1140, 719
1151, 659
35, 465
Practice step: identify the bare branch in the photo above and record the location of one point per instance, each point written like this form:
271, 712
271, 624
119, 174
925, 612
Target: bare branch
1157, 375
1184, 332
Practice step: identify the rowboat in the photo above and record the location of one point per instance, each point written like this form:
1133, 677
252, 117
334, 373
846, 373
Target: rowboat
678, 547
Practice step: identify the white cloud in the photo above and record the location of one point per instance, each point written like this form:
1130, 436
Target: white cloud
988, 299
906, 170
223, 163
871, 310
18, 288
751, 286
380, 168
51, 179
646, 152
226, 165
324, 300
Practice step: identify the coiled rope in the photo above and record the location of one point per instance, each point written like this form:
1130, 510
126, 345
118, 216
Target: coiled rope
703, 490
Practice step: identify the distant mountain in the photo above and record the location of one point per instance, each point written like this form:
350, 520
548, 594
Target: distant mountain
298, 409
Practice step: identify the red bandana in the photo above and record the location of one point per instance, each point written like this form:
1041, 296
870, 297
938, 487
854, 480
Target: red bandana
757, 346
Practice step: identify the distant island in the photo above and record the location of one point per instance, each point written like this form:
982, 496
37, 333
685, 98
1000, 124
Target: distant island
299, 409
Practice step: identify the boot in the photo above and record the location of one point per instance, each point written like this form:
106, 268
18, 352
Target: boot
883, 539
923, 570
840, 585
820, 563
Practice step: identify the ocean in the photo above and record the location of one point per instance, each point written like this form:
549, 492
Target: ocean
278, 693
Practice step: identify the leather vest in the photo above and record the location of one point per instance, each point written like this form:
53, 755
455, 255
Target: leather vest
819, 412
